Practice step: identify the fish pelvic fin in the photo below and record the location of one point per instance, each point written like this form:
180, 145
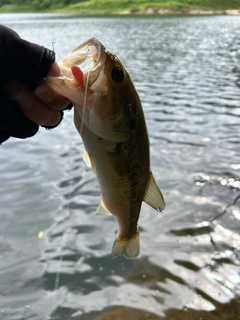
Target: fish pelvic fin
129, 248
102, 210
153, 196
87, 159
89, 162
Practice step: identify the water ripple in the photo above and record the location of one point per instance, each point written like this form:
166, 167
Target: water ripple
186, 70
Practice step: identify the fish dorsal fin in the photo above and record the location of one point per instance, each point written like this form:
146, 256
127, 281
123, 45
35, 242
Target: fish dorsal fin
89, 161
153, 196
102, 210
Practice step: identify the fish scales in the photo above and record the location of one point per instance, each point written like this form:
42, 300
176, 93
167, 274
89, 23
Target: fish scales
109, 117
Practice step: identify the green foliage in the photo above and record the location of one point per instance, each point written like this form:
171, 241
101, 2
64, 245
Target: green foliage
112, 6
36, 5
4, 2
46, 4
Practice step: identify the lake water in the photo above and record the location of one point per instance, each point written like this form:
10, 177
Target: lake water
187, 73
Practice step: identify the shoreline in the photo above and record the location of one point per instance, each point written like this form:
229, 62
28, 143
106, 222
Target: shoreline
154, 10
175, 11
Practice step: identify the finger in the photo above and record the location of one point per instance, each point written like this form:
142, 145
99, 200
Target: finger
50, 98
13, 123
55, 70
33, 108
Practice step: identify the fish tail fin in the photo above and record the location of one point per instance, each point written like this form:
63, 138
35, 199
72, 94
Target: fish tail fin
129, 248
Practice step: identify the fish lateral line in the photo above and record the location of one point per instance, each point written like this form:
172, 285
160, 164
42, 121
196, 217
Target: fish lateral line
78, 75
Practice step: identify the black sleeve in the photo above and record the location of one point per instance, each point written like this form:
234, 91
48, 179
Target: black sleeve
22, 60
26, 62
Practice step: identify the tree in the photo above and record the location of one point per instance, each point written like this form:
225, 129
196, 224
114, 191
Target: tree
36, 5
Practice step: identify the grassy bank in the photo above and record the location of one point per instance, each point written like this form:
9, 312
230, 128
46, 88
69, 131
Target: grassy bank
141, 6
121, 6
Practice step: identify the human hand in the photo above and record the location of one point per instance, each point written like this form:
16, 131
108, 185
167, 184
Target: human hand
24, 104
42, 105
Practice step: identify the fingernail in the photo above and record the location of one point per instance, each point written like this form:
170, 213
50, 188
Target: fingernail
42, 92
12, 89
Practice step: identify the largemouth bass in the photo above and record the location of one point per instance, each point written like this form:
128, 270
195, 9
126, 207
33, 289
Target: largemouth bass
109, 117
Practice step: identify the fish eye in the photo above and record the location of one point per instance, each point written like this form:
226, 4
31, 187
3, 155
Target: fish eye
117, 74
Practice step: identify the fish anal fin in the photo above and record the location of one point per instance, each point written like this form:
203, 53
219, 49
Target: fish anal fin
153, 196
102, 210
89, 161
129, 248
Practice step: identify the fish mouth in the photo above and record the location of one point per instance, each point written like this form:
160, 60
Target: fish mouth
89, 57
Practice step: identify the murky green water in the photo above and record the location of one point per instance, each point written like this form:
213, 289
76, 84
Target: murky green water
187, 72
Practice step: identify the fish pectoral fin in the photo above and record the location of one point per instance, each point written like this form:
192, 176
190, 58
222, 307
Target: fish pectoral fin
153, 196
129, 248
89, 161
102, 210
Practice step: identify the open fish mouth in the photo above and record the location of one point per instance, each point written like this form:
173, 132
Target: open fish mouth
89, 57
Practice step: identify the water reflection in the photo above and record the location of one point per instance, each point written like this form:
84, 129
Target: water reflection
186, 70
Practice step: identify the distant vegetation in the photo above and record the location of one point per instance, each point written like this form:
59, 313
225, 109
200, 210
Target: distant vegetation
111, 6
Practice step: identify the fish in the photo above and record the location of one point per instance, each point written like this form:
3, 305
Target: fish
109, 118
